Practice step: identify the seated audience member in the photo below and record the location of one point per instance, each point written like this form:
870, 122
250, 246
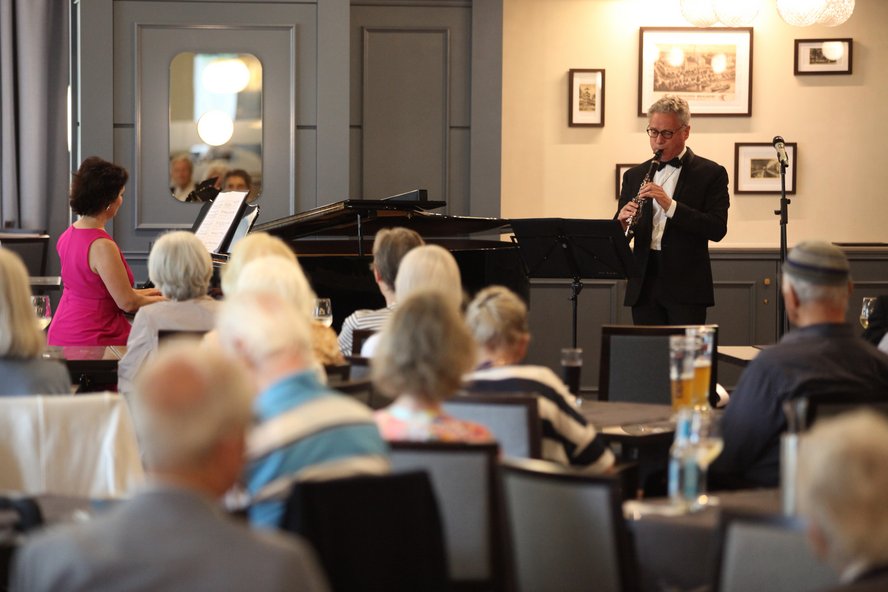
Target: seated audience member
389, 247
191, 410
238, 180
877, 330
260, 244
180, 267
22, 366
424, 350
497, 319
842, 480
821, 355
304, 430
428, 267
181, 177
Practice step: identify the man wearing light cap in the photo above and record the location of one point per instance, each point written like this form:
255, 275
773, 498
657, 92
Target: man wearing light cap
821, 355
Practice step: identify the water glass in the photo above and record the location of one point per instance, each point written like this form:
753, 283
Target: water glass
42, 309
323, 311
682, 352
706, 438
866, 310
571, 366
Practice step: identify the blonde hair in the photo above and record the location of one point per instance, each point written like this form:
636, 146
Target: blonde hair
261, 324
842, 480
20, 335
180, 266
429, 267
252, 246
497, 318
281, 276
424, 349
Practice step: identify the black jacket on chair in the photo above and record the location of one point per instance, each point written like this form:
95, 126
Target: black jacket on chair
701, 216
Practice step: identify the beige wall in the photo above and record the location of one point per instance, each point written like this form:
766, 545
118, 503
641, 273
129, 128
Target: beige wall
550, 169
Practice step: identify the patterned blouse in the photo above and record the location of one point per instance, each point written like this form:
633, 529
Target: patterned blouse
404, 420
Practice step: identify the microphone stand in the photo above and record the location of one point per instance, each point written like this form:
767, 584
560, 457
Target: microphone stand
783, 212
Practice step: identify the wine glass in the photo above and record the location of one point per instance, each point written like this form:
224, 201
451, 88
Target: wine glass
706, 438
42, 309
866, 310
323, 311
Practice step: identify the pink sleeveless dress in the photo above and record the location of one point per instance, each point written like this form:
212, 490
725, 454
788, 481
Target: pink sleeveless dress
86, 315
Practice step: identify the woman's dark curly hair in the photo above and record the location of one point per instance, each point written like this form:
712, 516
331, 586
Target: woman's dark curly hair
96, 184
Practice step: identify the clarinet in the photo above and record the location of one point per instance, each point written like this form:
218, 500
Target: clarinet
632, 222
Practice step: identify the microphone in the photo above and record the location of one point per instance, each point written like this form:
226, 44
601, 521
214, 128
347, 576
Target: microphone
781, 150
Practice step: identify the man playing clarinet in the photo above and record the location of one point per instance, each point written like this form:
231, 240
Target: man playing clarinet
682, 208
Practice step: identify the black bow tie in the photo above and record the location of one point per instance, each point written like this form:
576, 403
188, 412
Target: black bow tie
676, 162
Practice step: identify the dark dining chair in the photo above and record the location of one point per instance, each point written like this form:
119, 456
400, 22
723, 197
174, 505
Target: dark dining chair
372, 533
767, 552
464, 479
512, 418
567, 529
635, 363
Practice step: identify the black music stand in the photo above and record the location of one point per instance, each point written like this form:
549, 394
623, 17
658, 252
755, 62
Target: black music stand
556, 248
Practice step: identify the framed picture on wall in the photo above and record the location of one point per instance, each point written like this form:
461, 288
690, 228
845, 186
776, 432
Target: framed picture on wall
757, 170
822, 56
621, 170
710, 68
586, 98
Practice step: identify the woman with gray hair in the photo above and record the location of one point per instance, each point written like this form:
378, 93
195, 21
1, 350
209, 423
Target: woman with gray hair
497, 319
423, 352
22, 367
180, 266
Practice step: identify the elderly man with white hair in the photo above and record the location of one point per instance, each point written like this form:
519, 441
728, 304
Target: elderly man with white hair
191, 409
180, 267
842, 480
304, 430
822, 355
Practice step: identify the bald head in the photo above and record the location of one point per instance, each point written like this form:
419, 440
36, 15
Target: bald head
188, 400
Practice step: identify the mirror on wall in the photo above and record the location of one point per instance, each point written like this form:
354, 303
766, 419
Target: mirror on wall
215, 123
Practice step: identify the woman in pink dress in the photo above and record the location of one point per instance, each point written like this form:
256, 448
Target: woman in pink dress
98, 283
423, 352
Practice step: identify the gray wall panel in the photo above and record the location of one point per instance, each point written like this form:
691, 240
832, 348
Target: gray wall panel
406, 79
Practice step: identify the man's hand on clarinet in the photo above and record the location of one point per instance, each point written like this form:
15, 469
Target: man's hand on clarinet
630, 210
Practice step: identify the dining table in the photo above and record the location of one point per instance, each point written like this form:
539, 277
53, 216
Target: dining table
92, 368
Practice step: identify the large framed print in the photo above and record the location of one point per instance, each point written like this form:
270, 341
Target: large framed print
586, 102
822, 56
710, 68
757, 170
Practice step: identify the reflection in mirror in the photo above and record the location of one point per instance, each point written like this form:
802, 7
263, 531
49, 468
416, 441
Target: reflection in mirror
215, 124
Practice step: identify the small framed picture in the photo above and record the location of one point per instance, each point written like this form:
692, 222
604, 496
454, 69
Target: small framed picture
757, 170
586, 98
822, 56
621, 170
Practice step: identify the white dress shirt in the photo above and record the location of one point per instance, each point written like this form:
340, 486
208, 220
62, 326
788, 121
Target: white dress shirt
667, 178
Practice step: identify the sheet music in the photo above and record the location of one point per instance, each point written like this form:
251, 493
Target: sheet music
219, 219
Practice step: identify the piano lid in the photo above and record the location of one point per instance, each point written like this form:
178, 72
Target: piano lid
354, 217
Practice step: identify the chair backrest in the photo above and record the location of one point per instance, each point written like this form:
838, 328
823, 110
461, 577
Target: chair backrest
372, 533
513, 418
359, 336
568, 532
37, 455
824, 405
767, 552
635, 363
464, 479
165, 334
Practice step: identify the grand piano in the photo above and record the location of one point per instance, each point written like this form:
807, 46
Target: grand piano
335, 242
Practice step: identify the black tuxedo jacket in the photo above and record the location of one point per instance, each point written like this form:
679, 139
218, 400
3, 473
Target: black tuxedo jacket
701, 215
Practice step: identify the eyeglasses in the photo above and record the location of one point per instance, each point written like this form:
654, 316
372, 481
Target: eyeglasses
667, 134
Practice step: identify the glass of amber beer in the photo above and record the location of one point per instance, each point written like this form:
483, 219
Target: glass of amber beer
682, 351
704, 338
